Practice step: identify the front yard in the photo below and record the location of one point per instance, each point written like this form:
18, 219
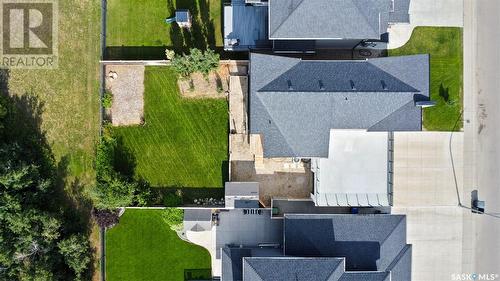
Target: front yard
143, 247
444, 44
183, 142
142, 23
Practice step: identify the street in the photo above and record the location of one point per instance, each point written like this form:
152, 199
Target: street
482, 134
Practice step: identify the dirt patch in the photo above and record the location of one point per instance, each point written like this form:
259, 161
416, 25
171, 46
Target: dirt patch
126, 84
216, 85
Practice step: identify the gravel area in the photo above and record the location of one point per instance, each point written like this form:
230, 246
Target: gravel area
128, 93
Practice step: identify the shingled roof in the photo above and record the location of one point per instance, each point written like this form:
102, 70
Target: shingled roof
292, 268
334, 19
367, 242
294, 103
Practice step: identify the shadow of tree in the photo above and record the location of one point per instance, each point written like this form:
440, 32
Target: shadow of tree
444, 92
125, 161
66, 198
201, 35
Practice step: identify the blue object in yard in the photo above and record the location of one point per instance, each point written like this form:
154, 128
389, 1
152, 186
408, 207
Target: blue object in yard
354, 210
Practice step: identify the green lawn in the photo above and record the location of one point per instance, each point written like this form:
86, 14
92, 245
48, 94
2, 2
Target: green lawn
142, 23
444, 44
143, 247
184, 142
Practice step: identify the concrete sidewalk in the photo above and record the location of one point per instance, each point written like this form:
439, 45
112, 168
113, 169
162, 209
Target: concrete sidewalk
426, 13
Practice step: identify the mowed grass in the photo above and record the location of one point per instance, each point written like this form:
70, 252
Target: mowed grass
143, 247
184, 142
444, 44
68, 95
142, 23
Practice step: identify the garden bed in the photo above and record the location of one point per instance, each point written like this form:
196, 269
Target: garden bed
215, 85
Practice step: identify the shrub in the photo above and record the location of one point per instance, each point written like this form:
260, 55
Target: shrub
172, 199
173, 217
107, 99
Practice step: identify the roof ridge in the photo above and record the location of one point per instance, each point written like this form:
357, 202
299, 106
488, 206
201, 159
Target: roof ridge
390, 74
390, 114
276, 124
285, 19
403, 218
397, 258
245, 260
364, 16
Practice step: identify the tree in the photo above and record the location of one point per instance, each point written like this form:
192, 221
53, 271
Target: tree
112, 189
31, 219
75, 250
196, 61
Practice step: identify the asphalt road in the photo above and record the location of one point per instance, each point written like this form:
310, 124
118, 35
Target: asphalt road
482, 128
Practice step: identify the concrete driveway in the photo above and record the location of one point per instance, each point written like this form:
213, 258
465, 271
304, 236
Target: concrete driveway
426, 13
424, 190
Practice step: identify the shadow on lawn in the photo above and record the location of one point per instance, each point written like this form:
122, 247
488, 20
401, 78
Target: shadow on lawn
189, 194
201, 35
66, 197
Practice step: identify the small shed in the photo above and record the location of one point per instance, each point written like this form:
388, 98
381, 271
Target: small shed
183, 18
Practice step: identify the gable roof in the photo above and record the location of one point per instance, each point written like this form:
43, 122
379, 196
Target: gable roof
292, 268
333, 19
368, 242
294, 103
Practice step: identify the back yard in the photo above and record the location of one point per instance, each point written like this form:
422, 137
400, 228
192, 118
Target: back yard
135, 28
183, 142
444, 44
143, 247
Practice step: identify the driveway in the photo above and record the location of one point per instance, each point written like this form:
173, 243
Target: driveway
426, 13
425, 190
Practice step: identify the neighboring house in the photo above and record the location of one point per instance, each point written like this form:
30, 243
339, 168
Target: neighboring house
326, 247
296, 106
304, 25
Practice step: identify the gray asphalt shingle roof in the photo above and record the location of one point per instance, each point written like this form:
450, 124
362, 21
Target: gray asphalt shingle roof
292, 268
332, 19
368, 242
327, 247
294, 103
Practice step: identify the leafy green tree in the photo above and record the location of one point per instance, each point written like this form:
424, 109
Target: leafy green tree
75, 250
112, 189
196, 61
31, 221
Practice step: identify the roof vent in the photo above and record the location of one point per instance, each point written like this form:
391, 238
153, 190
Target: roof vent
321, 85
384, 86
290, 88
352, 85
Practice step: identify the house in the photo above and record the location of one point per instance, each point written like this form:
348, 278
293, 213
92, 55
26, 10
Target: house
326, 247
303, 26
300, 108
